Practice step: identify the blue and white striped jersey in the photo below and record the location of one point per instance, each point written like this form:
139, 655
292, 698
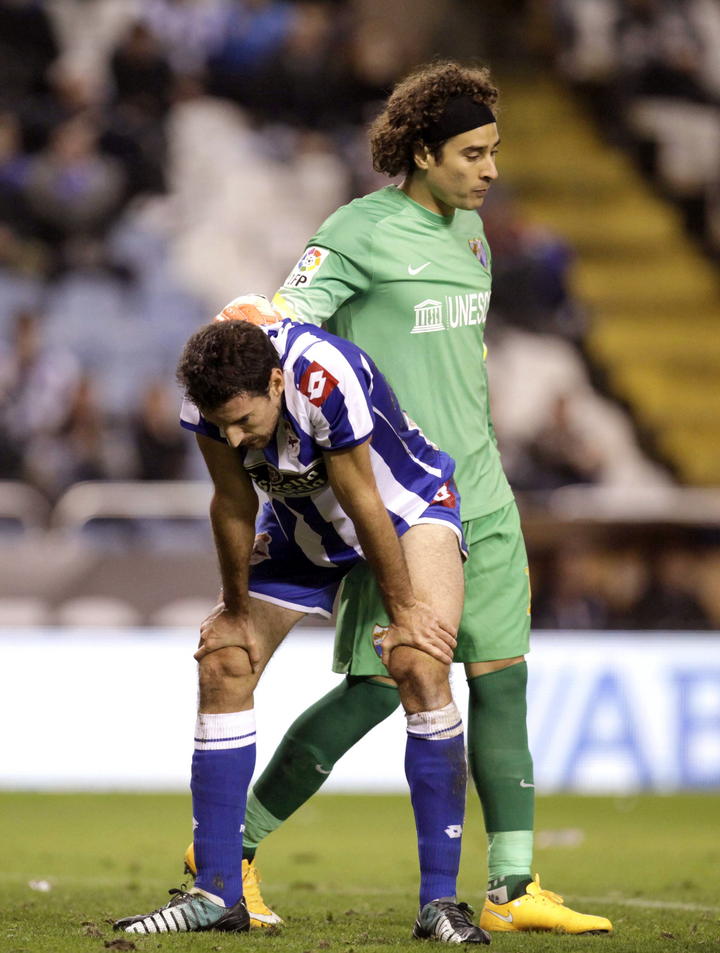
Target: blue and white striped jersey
335, 398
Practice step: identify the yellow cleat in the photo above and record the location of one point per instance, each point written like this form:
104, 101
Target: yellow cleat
539, 909
261, 916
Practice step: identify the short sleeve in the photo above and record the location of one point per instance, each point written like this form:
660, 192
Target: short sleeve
192, 419
334, 392
334, 268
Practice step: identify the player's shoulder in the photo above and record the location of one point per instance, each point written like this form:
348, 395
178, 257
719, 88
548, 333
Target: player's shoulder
299, 337
468, 221
355, 223
305, 343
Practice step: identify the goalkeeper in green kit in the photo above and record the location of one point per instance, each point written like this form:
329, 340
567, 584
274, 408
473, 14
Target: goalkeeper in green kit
405, 273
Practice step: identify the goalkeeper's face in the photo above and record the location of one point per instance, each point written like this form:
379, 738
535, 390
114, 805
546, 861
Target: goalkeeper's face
464, 170
250, 421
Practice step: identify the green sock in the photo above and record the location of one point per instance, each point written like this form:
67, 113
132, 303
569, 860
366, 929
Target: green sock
501, 766
308, 752
504, 887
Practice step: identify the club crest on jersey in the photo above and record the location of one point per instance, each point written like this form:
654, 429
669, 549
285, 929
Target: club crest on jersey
317, 384
378, 634
478, 250
293, 445
306, 269
261, 548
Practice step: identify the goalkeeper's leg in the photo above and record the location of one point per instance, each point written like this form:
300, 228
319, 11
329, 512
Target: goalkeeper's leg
309, 750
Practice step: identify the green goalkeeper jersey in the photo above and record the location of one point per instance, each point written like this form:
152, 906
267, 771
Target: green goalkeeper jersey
412, 288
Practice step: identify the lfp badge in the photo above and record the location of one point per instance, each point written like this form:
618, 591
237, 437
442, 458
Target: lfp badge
306, 269
478, 250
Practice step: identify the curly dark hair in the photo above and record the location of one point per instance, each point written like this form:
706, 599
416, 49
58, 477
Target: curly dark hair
419, 100
223, 360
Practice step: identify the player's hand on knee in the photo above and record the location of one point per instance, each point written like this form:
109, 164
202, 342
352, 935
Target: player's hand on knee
222, 629
419, 627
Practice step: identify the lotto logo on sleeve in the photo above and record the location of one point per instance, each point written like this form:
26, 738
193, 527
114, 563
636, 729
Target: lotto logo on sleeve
306, 269
317, 384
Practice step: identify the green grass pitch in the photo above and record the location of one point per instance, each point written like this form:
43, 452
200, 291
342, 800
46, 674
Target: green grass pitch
343, 872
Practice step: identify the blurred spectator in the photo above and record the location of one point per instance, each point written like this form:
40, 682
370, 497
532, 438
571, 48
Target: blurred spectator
13, 170
141, 74
69, 94
531, 267
22, 262
568, 596
134, 129
302, 83
75, 449
160, 445
660, 51
187, 29
37, 387
670, 598
651, 73
659, 585
254, 33
561, 453
377, 58
27, 48
529, 372
71, 188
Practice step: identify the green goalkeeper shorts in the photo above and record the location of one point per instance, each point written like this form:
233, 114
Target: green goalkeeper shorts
495, 622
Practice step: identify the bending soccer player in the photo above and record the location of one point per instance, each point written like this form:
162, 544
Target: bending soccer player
309, 419
405, 272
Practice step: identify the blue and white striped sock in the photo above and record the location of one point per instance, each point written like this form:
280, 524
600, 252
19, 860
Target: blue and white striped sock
436, 769
222, 766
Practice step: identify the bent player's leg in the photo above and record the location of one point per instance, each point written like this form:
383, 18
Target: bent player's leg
300, 766
224, 756
435, 753
322, 734
222, 765
435, 763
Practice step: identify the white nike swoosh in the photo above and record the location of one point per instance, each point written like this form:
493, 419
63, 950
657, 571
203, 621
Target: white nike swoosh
265, 917
507, 917
321, 769
524, 784
416, 271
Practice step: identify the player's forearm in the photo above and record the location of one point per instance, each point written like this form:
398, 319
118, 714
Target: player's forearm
381, 548
234, 534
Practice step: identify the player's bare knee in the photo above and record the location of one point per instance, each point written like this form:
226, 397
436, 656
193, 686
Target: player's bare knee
411, 667
223, 666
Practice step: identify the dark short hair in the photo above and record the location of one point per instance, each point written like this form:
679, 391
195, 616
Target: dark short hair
417, 101
223, 360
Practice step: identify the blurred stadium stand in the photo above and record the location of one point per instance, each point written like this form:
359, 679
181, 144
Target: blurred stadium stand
133, 553
158, 158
